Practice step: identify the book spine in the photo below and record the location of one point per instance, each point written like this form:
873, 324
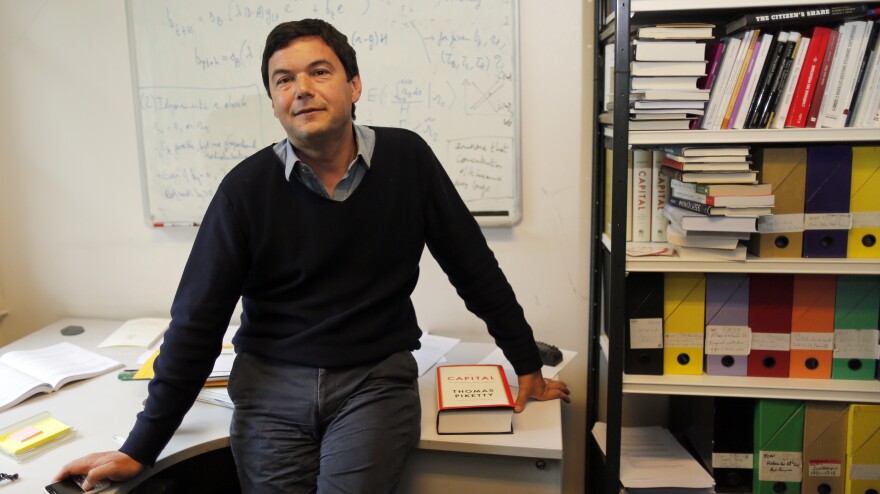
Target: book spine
629, 195
721, 81
780, 113
692, 196
659, 193
804, 16
830, 63
672, 173
862, 73
768, 46
869, 91
726, 90
736, 93
803, 93
765, 112
667, 161
834, 115
714, 54
690, 205
765, 85
641, 195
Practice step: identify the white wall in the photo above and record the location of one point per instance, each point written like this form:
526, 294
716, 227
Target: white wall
73, 241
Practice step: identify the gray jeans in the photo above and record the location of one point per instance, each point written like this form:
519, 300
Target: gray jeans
300, 429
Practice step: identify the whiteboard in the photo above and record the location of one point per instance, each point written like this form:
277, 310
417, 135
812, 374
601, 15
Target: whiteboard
446, 69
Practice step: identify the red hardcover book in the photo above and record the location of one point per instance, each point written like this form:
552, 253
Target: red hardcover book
473, 399
822, 81
806, 85
770, 306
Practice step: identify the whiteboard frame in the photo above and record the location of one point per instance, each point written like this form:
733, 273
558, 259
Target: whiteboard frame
484, 218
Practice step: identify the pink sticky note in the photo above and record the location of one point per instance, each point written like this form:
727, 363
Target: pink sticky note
25, 434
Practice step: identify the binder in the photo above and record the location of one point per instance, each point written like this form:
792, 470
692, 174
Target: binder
727, 324
825, 428
684, 305
770, 305
855, 327
864, 204
782, 234
863, 449
644, 324
734, 444
779, 439
812, 325
826, 201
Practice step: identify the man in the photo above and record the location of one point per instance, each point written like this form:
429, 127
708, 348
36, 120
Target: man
321, 236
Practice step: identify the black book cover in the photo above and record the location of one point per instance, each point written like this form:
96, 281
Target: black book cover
777, 85
768, 71
814, 15
862, 74
771, 83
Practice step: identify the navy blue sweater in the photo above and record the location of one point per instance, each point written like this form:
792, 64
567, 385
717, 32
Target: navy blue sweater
323, 283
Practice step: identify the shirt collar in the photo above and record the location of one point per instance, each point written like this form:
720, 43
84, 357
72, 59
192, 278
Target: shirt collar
364, 137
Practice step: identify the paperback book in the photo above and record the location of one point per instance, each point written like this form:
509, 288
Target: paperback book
25, 373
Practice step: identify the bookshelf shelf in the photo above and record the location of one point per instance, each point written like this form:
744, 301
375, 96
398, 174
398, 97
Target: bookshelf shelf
752, 387
755, 265
752, 136
752, 264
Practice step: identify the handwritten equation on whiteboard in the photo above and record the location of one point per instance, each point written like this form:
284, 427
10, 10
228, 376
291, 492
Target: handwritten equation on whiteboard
445, 69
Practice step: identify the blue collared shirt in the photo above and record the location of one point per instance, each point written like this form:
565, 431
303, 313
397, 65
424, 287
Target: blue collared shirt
365, 138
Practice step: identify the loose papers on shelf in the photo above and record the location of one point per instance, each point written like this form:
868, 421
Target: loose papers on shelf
650, 457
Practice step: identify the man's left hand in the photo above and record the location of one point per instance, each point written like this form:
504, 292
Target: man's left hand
535, 386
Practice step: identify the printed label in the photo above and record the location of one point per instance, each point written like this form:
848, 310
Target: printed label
869, 219
684, 340
827, 221
781, 223
864, 471
780, 466
771, 341
824, 468
646, 333
812, 341
732, 460
855, 343
728, 340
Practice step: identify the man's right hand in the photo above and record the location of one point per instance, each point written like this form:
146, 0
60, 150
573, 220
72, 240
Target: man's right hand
113, 465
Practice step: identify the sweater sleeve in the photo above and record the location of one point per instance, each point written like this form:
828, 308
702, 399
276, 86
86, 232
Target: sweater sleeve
209, 289
457, 243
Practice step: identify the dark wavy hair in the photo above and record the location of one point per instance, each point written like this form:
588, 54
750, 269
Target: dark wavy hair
284, 34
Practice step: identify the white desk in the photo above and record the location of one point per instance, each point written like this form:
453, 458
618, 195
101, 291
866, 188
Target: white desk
528, 461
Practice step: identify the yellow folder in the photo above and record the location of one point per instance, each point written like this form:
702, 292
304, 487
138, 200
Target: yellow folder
863, 449
684, 308
865, 204
786, 170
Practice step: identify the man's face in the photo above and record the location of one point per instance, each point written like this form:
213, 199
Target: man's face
310, 94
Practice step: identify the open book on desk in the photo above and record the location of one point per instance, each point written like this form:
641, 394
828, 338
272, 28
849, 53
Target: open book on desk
25, 373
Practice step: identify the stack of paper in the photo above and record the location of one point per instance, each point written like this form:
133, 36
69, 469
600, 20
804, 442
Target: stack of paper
651, 460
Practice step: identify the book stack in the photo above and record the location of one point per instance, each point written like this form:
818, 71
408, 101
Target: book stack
797, 69
668, 87
714, 202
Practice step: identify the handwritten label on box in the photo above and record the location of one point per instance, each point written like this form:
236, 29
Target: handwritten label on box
728, 340
646, 333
